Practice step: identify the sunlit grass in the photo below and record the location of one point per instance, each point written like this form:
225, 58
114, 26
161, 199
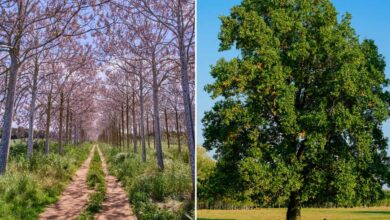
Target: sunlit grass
373, 213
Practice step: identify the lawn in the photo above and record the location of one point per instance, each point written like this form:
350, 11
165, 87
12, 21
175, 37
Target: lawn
374, 213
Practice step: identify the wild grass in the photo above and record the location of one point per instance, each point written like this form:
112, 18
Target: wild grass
30, 185
154, 194
96, 181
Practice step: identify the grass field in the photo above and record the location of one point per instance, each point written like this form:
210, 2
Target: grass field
374, 213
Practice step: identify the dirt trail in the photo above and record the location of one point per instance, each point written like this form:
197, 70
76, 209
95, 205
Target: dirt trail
116, 204
74, 198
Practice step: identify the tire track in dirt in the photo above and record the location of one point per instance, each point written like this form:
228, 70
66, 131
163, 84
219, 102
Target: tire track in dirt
116, 204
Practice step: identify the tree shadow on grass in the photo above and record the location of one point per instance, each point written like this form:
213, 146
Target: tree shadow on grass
373, 212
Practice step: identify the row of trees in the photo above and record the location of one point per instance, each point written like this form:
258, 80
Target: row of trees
149, 62
124, 66
45, 69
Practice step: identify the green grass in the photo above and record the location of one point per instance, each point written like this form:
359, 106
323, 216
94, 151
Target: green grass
96, 181
154, 194
372, 213
29, 186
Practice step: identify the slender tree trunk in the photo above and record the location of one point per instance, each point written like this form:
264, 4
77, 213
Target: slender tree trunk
154, 137
294, 206
142, 125
177, 130
157, 130
75, 131
127, 123
67, 122
48, 115
147, 129
166, 126
61, 125
187, 105
70, 126
34, 89
123, 127
134, 124
8, 113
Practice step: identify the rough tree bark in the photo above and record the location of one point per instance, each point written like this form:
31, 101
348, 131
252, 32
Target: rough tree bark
34, 89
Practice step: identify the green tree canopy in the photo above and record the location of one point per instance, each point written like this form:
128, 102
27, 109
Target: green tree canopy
301, 109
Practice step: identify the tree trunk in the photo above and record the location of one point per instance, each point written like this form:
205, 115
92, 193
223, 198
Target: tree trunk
147, 129
157, 130
48, 115
127, 123
123, 127
294, 207
70, 126
177, 131
67, 122
166, 126
141, 95
154, 138
60, 128
8, 113
134, 124
32, 110
187, 107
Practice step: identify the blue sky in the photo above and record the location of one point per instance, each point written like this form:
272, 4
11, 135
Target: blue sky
371, 19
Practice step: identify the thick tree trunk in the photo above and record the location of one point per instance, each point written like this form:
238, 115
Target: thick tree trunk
8, 113
187, 106
48, 115
177, 131
61, 125
141, 95
166, 126
134, 123
157, 130
34, 89
294, 207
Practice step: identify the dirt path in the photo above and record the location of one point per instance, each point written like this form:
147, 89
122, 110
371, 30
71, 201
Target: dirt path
116, 204
74, 198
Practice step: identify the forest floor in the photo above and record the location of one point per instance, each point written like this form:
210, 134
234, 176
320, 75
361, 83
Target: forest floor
75, 197
371, 213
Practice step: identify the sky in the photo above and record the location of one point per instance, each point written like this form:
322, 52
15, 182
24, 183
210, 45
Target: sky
371, 19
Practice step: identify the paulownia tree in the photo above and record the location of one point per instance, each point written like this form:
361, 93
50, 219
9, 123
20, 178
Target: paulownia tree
301, 109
